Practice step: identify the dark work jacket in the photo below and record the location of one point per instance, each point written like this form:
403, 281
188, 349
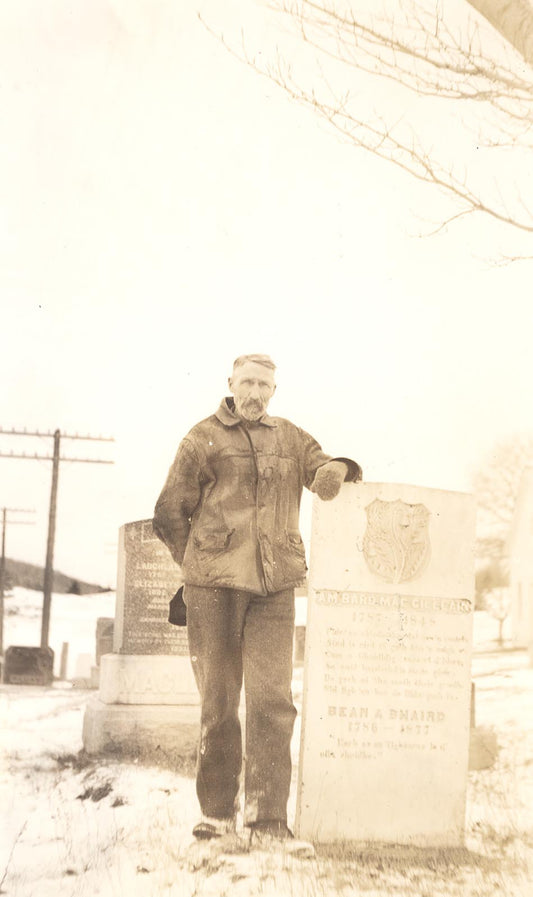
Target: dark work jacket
229, 510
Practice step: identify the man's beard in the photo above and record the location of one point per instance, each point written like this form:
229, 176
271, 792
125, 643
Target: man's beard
250, 409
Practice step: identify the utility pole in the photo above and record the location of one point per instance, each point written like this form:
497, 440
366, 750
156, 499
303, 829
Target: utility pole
49, 565
5, 521
56, 458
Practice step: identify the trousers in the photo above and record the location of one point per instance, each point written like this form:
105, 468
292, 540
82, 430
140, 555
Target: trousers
237, 636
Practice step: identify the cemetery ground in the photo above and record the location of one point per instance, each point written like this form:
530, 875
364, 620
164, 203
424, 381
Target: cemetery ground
75, 826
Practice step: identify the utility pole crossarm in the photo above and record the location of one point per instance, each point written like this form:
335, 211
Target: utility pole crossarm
25, 455
23, 432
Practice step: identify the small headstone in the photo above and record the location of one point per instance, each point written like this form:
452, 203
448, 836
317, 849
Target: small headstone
83, 671
64, 662
95, 677
104, 637
387, 683
29, 666
299, 645
148, 579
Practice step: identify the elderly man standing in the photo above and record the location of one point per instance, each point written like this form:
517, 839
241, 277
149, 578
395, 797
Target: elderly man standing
229, 514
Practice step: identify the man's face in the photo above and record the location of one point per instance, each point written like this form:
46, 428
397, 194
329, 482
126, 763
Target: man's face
252, 386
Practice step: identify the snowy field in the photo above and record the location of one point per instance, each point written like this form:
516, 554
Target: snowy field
76, 827
72, 620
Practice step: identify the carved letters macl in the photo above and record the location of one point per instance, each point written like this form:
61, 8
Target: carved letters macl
396, 542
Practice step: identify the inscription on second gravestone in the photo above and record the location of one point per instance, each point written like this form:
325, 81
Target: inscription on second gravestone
147, 580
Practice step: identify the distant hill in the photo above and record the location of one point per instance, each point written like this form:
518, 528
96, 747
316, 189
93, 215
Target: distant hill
30, 576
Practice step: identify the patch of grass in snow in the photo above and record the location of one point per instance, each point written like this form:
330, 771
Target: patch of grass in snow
77, 762
96, 792
342, 869
181, 762
502, 838
387, 858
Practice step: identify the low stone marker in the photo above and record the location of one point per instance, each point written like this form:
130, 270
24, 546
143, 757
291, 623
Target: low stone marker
104, 637
29, 666
83, 671
147, 703
299, 645
386, 705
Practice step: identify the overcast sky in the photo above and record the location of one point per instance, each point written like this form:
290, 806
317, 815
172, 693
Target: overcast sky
163, 210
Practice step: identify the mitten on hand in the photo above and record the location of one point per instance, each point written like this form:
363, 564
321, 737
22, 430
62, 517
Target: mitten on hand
329, 479
177, 609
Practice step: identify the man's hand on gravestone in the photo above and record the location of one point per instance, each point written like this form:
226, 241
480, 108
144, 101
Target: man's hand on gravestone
329, 479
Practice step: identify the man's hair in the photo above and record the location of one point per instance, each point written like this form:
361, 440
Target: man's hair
265, 360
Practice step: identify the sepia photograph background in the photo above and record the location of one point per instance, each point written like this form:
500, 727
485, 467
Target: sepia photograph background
166, 207
185, 182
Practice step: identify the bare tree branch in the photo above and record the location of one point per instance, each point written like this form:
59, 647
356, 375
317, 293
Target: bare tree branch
496, 485
380, 140
433, 61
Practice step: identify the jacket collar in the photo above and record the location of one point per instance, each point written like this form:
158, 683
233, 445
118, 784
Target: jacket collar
226, 415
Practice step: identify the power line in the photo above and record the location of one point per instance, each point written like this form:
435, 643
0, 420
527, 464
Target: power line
19, 511
56, 458
37, 457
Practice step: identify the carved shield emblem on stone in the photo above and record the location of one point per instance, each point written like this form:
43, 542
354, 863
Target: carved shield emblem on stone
396, 542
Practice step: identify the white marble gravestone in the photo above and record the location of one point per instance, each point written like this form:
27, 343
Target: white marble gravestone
386, 707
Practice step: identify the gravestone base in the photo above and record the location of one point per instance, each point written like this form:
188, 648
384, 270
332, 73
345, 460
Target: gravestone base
147, 707
153, 733
147, 679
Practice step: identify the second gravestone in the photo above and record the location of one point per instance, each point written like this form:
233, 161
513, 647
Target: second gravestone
148, 702
386, 708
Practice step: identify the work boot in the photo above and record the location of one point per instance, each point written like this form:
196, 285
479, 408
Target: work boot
274, 833
210, 827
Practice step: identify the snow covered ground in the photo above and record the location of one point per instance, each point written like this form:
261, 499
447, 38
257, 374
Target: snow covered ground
72, 620
76, 827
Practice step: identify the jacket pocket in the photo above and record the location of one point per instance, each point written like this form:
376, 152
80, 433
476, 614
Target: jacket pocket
295, 542
293, 557
207, 540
